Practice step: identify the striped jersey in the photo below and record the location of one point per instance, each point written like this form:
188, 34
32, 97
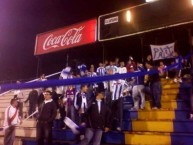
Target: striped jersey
118, 88
101, 71
93, 74
112, 67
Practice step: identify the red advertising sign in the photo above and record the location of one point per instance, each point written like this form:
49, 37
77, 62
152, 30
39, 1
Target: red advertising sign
67, 37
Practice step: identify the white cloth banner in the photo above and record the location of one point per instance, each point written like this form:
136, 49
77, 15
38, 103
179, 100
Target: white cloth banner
162, 51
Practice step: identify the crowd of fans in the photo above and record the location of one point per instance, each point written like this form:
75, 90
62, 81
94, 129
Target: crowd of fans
75, 101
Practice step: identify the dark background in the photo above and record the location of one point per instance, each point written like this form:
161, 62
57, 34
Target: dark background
22, 20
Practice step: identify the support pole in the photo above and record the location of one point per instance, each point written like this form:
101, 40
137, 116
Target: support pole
191, 48
142, 51
38, 66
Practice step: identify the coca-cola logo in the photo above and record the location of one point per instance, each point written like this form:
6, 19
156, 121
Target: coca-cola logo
72, 36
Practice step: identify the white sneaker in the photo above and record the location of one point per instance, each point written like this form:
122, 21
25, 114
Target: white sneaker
180, 80
118, 128
142, 108
134, 109
154, 108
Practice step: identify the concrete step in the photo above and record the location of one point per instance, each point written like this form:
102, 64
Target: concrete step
169, 97
170, 104
147, 139
170, 86
166, 104
168, 81
156, 115
170, 91
167, 126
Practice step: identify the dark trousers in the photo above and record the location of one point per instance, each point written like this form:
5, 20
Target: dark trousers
9, 136
44, 133
156, 92
92, 134
117, 113
70, 112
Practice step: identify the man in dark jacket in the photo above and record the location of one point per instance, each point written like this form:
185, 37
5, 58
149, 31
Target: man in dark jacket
47, 113
96, 118
155, 87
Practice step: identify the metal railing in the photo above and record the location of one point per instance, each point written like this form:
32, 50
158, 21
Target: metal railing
48, 76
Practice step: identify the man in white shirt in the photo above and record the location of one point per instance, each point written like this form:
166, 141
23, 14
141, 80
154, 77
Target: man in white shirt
11, 120
122, 69
111, 66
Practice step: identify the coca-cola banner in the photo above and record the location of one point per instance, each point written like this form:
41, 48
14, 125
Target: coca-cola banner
67, 37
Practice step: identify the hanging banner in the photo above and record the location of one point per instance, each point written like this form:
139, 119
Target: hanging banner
162, 51
67, 37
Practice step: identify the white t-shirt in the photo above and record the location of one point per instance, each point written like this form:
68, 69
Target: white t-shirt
9, 112
122, 70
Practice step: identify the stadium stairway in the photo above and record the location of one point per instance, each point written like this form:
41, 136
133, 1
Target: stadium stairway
167, 126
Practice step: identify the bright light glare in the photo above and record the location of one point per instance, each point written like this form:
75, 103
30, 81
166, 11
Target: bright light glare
192, 2
149, 1
128, 16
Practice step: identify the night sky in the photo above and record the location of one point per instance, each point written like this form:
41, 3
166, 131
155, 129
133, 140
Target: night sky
22, 20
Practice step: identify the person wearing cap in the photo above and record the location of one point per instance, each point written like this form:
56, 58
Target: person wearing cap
47, 114
96, 119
